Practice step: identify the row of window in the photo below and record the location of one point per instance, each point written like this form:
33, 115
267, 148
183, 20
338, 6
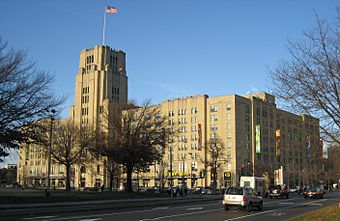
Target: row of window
115, 98
88, 68
182, 167
85, 99
85, 111
214, 108
115, 91
183, 147
86, 90
84, 121
89, 59
183, 112
113, 60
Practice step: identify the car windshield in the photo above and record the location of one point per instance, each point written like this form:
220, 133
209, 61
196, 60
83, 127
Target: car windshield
234, 191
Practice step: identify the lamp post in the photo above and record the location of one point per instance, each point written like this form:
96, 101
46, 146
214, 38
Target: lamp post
171, 183
303, 179
51, 115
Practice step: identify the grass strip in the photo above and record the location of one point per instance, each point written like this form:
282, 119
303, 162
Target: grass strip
331, 213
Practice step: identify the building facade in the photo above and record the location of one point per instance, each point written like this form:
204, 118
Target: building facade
254, 135
257, 138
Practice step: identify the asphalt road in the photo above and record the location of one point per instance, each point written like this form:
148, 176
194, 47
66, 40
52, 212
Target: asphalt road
274, 209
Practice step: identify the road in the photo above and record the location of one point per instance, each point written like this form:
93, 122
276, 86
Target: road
278, 209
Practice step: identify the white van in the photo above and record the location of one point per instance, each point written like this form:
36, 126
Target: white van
256, 183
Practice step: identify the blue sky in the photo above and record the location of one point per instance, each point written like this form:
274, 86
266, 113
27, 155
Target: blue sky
174, 48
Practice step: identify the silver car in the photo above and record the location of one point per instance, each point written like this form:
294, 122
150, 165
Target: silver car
243, 197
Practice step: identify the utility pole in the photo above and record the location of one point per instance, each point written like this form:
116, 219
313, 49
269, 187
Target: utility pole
171, 183
162, 162
49, 154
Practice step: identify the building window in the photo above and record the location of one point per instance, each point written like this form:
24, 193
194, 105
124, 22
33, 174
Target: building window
213, 109
214, 118
214, 127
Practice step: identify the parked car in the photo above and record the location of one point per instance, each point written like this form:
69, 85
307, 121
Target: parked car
279, 192
242, 197
313, 192
91, 189
292, 189
9, 186
200, 190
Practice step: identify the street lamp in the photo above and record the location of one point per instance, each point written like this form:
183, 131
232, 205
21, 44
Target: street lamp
171, 181
51, 115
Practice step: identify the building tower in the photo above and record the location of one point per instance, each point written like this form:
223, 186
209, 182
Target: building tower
101, 86
100, 83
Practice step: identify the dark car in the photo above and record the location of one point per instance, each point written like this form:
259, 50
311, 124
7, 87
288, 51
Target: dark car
279, 192
313, 192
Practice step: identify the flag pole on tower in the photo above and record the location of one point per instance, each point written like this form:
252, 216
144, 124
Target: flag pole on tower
108, 10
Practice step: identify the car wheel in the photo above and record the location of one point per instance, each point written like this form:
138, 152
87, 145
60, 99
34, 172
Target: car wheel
261, 206
250, 207
226, 208
270, 197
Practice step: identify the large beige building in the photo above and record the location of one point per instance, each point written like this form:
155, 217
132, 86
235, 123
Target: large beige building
249, 128
256, 136
101, 84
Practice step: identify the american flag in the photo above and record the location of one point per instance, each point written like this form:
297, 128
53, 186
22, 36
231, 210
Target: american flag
111, 10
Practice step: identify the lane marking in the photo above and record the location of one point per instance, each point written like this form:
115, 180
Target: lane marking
286, 203
195, 208
161, 207
255, 214
39, 217
316, 204
129, 212
98, 215
90, 219
181, 214
277, 214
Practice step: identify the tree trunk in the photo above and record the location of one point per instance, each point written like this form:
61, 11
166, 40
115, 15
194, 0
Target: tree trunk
129, 178
68, 177
111, 181
214, 181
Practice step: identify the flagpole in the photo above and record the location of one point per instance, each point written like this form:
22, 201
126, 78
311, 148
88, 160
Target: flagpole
104, 26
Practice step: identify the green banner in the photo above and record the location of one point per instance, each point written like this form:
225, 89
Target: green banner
258, 138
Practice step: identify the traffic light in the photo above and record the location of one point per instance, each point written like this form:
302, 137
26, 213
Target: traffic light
242, 170
227, 175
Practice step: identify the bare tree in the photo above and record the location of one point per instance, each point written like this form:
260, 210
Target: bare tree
310, 79
25, 94
101, 148
216, 149
70, 145
137, 139
114, 170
